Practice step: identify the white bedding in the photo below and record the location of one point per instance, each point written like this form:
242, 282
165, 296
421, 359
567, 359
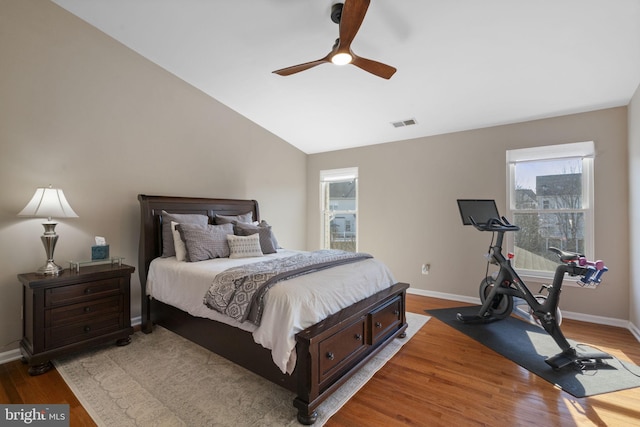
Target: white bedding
290, 305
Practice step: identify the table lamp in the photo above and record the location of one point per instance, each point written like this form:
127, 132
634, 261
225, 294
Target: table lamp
49, 202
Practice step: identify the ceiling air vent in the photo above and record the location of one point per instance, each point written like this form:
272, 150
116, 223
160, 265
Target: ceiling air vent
404, 123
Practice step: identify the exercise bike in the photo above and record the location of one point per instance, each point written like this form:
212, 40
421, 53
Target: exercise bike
498, 292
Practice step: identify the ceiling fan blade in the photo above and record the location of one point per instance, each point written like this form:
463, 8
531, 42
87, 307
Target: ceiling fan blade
374, 67
301, 67
353, 13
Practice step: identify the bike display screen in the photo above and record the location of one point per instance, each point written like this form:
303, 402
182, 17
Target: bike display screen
480, 210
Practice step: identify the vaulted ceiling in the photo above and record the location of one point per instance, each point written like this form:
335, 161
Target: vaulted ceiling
462, 64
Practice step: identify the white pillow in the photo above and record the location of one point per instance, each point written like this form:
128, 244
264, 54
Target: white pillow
181, 249
244, 246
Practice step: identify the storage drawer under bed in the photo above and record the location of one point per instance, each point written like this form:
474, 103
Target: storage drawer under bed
338, 350
385, 320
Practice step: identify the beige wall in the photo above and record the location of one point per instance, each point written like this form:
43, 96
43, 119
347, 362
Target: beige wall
408, 213
82, 112
634, 202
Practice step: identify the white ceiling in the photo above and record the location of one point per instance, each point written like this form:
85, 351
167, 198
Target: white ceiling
462, 64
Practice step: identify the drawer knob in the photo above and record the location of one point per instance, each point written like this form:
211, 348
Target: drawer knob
87, 309
378, 325
87, 328
88, 291
330, 355
358, 337
396, 312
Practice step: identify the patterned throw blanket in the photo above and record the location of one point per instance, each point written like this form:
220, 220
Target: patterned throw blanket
239, 292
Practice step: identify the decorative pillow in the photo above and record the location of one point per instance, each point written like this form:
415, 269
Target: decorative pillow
181, 249
205, 241
244, 246
226, 219
168, 247
266, 241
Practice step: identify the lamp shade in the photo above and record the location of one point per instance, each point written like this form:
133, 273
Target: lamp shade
48, 202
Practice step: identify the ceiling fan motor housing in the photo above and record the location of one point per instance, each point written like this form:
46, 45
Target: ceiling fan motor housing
336, 12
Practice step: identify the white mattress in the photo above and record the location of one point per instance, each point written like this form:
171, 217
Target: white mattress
290, 306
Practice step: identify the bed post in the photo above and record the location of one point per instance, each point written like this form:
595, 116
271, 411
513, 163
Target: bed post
144, 259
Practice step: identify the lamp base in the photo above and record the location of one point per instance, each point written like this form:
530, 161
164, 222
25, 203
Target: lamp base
49, 239
50, 269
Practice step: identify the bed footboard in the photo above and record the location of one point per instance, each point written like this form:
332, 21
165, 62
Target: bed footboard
330, 352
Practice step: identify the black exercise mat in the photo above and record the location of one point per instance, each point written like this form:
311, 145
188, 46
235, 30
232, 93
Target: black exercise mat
529, 345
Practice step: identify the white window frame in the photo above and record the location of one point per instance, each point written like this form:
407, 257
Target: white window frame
584, 150
335, 175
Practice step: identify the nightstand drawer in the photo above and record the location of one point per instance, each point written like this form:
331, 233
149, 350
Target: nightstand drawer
76, 332
80, 312
81, 292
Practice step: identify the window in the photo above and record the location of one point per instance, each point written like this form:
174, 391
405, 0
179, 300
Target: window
339, 204
550, 197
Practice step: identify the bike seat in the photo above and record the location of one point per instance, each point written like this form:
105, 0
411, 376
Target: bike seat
566, 256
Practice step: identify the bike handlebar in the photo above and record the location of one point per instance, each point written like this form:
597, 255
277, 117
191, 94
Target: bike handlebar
495, 224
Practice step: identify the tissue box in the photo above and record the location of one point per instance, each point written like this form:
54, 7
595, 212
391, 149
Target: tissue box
99, 252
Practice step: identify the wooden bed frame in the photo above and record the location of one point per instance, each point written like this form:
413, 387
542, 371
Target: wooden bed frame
328, 353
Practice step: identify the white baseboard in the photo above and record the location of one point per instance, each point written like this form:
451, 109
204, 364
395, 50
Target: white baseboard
442, 295
601, 320
10, 356
634, 330
610, 321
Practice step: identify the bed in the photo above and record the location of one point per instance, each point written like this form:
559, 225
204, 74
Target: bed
326, 353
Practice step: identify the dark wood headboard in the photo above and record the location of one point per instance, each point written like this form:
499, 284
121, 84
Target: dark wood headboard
151, 208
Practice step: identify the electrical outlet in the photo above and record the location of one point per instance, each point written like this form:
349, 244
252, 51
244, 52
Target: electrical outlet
426, 268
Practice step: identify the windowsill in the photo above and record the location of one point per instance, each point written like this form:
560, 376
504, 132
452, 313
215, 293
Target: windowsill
540, 279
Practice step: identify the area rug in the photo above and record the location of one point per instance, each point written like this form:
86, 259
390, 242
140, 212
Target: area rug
162, 379
529, 345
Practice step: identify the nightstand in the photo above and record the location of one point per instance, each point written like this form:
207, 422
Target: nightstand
74, 311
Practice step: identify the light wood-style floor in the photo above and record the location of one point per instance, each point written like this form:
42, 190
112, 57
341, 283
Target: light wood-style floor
439, 378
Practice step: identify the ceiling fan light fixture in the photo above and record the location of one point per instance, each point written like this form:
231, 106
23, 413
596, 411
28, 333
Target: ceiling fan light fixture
341, 59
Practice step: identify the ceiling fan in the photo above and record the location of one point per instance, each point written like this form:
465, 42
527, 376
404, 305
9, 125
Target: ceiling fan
349, 16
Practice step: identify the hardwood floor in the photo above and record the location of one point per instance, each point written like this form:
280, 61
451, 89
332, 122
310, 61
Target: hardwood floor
17, 386
439, 378
443, 378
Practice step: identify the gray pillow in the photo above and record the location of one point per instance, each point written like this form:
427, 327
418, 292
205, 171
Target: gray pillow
205, 241
276, 245
266, 241
227, 219
168, 248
